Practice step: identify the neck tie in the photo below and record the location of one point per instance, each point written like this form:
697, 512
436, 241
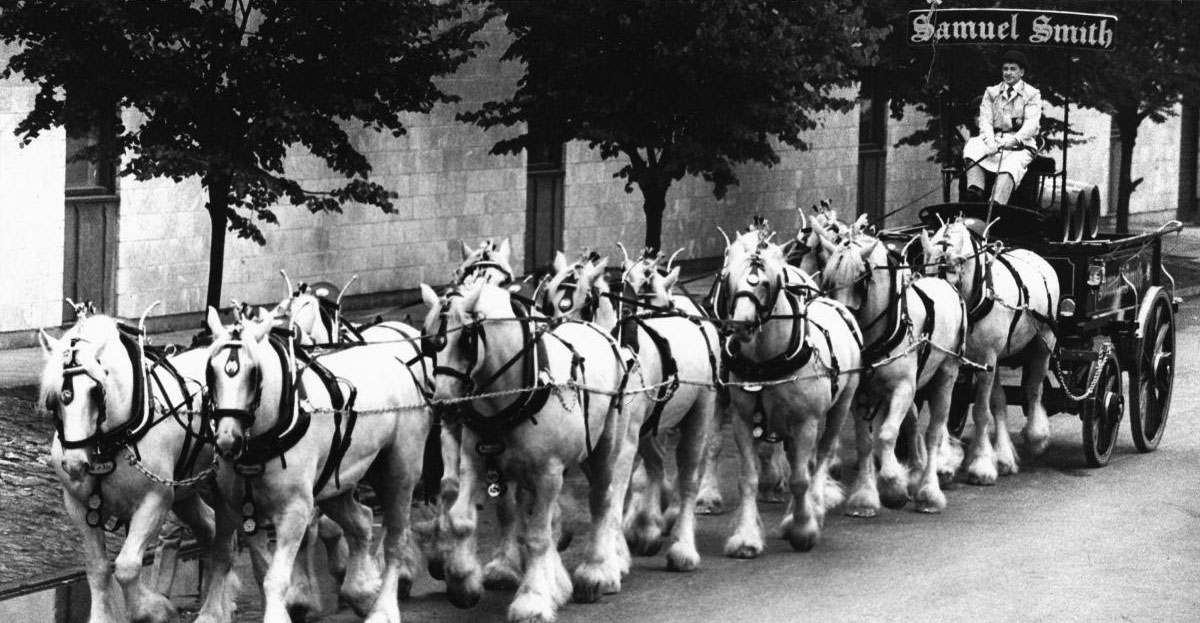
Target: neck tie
1009, 93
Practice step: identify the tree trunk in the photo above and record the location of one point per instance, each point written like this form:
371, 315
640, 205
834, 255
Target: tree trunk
1127, 126
1189, 141
218, 205
655, 196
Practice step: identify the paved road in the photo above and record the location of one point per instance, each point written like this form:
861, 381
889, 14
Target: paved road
1058, 542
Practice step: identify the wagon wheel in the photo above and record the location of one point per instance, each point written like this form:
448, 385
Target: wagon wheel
1152, 370
1102, 412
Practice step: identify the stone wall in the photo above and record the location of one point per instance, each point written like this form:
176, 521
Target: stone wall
31, 214
449, 188
914, 180
599, 212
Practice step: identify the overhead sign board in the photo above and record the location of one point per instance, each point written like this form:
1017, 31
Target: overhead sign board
1080, 31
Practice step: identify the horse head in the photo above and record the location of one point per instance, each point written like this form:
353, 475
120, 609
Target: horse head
754, 278
648, 280
578, 290
949, 249
86, 384
235, 379
454, 326
849, 268
488, 263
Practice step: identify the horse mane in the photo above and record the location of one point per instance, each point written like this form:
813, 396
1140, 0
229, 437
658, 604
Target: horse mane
100, 330
844, 265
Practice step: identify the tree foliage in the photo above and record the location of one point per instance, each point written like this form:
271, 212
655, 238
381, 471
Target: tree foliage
691, 87
226, 87
1155, 65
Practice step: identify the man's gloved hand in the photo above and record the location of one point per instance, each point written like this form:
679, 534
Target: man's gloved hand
1010, 142
992, 148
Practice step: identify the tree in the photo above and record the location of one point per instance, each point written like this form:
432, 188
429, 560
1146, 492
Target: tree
676, 88
227, 86
1155, 66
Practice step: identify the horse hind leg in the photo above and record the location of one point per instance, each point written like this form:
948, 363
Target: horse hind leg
1006, 454
689, 458
981, 455
144, 605
864, 493
709, 500
361, 584
1037, 424
893, 476
643, 524
929, 497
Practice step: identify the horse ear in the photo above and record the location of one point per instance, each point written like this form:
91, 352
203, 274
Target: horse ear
49, 344
926, 243
670, 279
466, 252
867, 251
261, 327
429, 297
560, 262
505, 250
214, 323
601, 264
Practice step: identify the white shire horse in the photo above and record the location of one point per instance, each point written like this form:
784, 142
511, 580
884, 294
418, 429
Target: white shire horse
528, 423
670, 348
915, 332
792, 361
291, 437
1011, 298
110, 399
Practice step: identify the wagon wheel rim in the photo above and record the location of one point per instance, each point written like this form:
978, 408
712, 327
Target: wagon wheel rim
1156, 373
1102, 414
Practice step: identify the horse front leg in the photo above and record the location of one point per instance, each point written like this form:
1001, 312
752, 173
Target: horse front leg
291, 527
435, 545
802, 526
143, 604
689, 461
893, 476
104, 607
464, 577
503, 571
747, 538
981, 456
546, 585
221, 583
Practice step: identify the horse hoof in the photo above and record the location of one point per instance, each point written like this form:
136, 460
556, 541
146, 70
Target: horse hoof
404, 588
499, 576
682, 559
773, 497
156, 609
564, 540
743, 550
1005, 468
985, 479
894, 500
464, 592
710, 506
437, 568
861, 512
585, 593
802, 541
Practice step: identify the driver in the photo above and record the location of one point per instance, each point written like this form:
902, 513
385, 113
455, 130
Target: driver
1010, 116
